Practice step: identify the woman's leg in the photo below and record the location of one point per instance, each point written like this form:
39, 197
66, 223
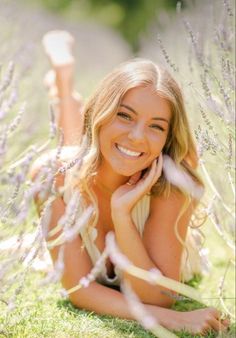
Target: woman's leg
60, 83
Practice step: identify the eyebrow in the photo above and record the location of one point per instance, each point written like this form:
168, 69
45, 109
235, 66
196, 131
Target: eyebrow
153, 118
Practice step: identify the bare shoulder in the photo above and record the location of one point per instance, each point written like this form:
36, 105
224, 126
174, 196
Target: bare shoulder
175, 199
168, 209
77, 262
169, 215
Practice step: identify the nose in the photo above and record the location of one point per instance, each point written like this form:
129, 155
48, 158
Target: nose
137, 133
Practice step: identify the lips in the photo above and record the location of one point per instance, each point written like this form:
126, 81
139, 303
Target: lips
128, 152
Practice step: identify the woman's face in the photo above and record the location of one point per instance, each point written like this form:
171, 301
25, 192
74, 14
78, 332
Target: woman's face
136, 135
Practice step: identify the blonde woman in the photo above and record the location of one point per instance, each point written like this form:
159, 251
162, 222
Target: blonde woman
132, 126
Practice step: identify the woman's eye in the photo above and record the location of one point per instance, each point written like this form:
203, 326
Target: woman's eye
156, 126
124, 116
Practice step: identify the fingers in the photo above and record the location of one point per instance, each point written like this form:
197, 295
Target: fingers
154, 172
159, 167
149, 178
150, 173
226, 322
134, 178
218, 325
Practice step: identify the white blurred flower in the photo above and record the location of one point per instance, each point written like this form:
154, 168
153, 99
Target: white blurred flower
137, 308
180, 178
116, 256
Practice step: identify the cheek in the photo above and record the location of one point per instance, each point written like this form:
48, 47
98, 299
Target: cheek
101, 140
107, 130
105, 137
104, 134
158, 143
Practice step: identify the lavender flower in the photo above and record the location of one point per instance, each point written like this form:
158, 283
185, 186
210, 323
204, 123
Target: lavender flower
181, 179
143, 316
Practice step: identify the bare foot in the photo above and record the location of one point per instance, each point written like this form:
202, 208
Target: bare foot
59, 81
58, 47
196, 322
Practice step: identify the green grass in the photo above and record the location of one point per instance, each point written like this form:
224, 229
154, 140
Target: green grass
41, 312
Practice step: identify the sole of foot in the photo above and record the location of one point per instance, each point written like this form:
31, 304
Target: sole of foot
58, 47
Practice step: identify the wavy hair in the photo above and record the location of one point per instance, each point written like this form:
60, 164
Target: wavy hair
104, 103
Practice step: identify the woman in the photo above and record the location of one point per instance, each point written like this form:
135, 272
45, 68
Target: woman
135, 118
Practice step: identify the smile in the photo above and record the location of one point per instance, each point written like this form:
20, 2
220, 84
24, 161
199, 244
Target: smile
128, 152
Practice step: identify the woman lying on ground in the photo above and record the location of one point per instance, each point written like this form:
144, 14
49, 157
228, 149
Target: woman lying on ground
135, 118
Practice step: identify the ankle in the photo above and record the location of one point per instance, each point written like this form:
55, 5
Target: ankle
65, 80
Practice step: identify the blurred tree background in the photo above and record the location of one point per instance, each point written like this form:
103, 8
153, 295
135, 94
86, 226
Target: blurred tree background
131, 18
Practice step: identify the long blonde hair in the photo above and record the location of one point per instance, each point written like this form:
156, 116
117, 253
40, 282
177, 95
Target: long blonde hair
102, 106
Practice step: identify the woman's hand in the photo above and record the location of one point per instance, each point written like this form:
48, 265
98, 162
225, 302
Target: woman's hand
199, 321
127, 195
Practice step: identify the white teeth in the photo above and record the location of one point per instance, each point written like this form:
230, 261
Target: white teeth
128, 152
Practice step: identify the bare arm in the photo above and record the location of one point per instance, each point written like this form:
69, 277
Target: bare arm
104, 300
77, 264
159, 248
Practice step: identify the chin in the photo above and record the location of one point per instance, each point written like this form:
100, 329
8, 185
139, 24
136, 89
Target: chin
123, 172
127, 172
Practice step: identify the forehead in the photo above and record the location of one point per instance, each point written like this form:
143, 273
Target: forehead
145, 100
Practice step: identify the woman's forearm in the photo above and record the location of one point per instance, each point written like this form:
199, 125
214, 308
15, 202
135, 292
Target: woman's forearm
106, 301
131, 245
102, 300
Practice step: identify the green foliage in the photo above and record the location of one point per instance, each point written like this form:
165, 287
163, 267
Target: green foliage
137, 15
40, 312
131, 18
58, 5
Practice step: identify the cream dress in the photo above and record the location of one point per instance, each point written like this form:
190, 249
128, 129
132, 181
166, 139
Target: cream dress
194, 259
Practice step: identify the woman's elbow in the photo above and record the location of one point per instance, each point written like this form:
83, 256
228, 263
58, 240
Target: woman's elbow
164, 301
157, 296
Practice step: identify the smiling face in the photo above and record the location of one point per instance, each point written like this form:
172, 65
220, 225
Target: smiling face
136, 135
